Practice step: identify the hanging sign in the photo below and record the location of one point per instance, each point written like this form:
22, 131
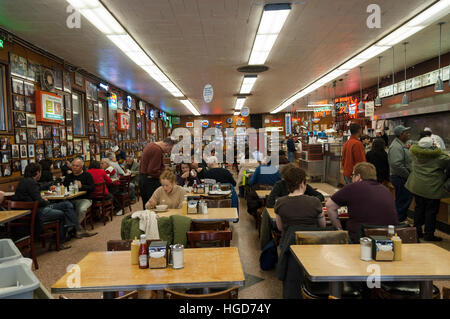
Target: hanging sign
112, 101
205, 123
245, 111
208, 93
275, 121
123, 121
189, 124
370, 108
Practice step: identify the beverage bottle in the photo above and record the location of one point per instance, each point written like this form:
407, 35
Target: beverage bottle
75, 187
397, 247
143, 253
58, 189
184, 208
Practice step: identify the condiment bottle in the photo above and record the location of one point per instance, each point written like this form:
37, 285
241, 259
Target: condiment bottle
194, 187
391, 231
135, 244
63, 191
143, 253
397, 247
184, 208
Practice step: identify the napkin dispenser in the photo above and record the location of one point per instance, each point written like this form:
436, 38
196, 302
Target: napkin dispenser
158, 254
382, 248
192, 207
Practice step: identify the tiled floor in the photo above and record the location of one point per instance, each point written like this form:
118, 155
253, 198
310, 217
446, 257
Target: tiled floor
259, 284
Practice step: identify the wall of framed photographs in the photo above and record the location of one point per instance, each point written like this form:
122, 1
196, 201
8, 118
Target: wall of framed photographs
27, 139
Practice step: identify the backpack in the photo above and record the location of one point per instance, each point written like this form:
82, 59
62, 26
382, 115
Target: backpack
269, 256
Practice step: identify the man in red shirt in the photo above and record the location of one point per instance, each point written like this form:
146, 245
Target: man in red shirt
152, 165
352, 152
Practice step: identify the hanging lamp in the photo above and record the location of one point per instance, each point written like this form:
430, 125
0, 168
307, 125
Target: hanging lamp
405, 100
439, 86
378, 99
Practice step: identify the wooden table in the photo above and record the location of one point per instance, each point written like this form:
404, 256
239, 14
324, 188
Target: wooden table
214, 214
65, 197
338, 263
112, 271
7, 216
262, 194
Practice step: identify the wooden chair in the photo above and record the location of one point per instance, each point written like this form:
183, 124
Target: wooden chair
219, 225
100, 205
231, 293
88, 217
49, 230
445, 293
406, 233
25, 244
209, 238
313, 290
123, 195
218, 203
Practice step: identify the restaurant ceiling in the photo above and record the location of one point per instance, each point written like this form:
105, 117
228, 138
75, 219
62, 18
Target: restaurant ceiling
199, 42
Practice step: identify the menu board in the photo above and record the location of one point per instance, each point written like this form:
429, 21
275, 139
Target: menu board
49, 107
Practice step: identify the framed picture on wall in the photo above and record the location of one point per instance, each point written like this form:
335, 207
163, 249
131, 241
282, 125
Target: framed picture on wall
6, 157
55, 132
17, 86
67, 82
23, 165
30, 105
40, 149
20, 119
47, 132
77, 147
48, 149
15, 151
6, 170
32, 136
69, 148
23, 151
18, 65
31, 120
19, 103
29, 89
30, 150
69, 133
21, 135
40, 132
4, 143
33, 71
58, 79
16, 166
78, 79
63, 149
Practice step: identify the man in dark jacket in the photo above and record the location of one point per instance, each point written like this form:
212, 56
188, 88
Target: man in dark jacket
29, 190
291, 149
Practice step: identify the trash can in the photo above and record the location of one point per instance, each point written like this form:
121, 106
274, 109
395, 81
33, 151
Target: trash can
17, 281
8, 251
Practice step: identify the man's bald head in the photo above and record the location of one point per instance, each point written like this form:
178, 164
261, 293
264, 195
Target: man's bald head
77, 166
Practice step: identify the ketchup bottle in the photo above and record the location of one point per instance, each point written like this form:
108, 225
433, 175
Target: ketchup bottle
143, 253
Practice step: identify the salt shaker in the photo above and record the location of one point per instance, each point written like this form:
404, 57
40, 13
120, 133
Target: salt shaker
177, 252
366, 248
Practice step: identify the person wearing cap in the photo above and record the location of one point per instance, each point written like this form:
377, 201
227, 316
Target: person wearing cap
437, 140
400, 167
426, 182
352, 152
121, 156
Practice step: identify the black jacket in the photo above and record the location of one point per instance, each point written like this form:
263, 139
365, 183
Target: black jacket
280, 190
381, 163
29, 190
221, 175
87, 183
46, 180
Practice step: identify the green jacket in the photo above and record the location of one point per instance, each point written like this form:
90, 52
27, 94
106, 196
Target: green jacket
428, 176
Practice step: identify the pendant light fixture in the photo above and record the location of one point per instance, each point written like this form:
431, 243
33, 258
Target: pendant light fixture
405, 101
378, 99
439, 86
361, 104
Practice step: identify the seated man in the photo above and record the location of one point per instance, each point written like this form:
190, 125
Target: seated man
280, 188
29, 190
85, 183
262, 178
120, 172
368, 202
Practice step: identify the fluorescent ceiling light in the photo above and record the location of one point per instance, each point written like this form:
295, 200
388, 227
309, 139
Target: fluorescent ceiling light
436, 11
190, 107
247, 84
272, 21
239, 103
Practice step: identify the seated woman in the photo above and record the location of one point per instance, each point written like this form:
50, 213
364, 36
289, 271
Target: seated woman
280, 188
187, 175
219, 174
168, 193
99, 176
46, 179
109, 170
297, 208
265, 174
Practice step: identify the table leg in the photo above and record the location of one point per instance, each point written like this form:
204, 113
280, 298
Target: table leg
426, 290
336, 289
109, 295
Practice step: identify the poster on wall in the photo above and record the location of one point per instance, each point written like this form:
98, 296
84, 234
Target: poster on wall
123, 121
18, 65
49, 107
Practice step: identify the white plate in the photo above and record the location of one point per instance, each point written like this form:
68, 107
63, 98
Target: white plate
219, 192
160, 210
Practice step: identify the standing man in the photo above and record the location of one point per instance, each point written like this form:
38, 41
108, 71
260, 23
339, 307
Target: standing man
400, 167
152, 165
291, 149
85, 183
437, 140
352, 152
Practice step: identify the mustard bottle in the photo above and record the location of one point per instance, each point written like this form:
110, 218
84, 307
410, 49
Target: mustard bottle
397, 247
184, 208
135, 251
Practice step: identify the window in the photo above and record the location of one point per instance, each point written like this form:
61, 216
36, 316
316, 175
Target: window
78, 115
3, 117
102, 119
